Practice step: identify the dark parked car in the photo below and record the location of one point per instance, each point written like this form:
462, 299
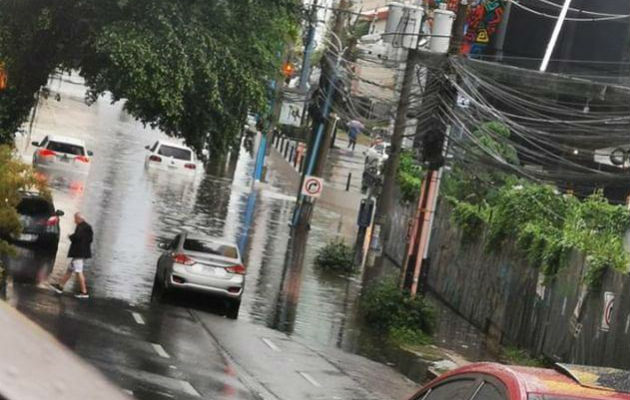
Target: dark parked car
40, 222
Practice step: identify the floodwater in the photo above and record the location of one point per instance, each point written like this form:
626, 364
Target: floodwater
132, 210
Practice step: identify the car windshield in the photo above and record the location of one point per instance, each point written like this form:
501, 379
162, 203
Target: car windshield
175, 152
34, 206
210, 248
67, 148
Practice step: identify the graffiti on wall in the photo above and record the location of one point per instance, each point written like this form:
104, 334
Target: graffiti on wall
482, 22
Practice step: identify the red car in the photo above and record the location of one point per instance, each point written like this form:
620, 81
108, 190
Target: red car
489, 381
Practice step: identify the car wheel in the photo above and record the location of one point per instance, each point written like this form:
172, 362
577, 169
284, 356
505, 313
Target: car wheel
232, 308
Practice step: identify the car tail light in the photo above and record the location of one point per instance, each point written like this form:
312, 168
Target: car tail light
46, 153
183, 259
190, 166
82, 159
52, 221
236, 269
155, 158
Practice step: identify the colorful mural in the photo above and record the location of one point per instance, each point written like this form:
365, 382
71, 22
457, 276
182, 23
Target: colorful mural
484, 17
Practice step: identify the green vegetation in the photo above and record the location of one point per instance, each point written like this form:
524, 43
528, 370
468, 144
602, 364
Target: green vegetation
409, 176
191, 68
14, 177
390, 311
335, 256
516, 356
544, 224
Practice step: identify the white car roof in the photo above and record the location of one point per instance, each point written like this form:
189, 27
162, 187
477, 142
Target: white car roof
66, 139
174, 144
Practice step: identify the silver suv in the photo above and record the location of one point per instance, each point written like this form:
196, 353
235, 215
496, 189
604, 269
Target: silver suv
203, 265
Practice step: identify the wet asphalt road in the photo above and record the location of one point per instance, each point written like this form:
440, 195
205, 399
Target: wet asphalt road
184, 348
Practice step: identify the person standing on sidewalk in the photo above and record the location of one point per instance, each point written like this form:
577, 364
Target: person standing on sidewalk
80, 250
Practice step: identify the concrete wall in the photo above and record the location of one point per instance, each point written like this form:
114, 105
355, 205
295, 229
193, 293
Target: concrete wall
504, 296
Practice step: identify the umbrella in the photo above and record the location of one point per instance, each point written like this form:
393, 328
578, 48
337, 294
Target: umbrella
356, 125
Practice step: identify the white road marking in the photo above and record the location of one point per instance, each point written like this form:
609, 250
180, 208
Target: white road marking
189, 389
160, 350
129, 392
271, 344
172, 367
309, 379
627, 323
137, 317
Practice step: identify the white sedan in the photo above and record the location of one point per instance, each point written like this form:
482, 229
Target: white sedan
61, 153
169, 156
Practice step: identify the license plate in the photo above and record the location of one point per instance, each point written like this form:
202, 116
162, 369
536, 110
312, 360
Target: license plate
27, 237
65, 159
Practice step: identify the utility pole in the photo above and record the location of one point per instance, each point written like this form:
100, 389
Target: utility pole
434, 148
303, 206
386, 197
308, 48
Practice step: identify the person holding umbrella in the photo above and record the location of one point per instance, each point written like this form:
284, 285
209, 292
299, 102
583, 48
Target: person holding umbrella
354, 128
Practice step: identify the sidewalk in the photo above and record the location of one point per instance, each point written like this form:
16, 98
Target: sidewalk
282, 174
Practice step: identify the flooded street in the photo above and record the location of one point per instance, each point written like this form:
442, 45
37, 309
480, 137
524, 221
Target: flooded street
132, 210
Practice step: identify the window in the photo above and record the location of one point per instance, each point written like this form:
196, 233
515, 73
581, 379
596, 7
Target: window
154, 147
67, 148
210, 248
379, 148
175, 152
44, 142
452, 390
33, 206
489, 392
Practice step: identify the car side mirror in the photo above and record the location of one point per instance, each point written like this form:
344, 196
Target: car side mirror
59, 213
36, 144
147, 147
90, 153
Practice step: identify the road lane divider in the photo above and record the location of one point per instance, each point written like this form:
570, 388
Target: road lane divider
138, 318
160, 350
271, 344
309, 379
189, 389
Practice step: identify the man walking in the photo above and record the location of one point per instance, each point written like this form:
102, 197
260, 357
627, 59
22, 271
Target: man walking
354, 128
81, 241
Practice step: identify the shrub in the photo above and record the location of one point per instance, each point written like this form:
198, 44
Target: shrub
409, 176
402, 318
335, 256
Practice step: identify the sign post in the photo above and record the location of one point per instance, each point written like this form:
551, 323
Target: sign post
312, 186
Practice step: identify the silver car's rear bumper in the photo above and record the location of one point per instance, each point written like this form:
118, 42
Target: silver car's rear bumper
206, 284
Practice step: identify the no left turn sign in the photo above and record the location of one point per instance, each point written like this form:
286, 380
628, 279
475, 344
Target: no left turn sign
312, 186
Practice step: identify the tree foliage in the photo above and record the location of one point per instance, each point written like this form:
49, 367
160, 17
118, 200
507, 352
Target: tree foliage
543, 223
189, 67
15, 176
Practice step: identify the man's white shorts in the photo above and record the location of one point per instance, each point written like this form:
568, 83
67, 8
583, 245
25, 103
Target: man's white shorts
76, 265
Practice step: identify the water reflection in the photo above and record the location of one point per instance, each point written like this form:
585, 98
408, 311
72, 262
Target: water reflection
28, 264
130, 209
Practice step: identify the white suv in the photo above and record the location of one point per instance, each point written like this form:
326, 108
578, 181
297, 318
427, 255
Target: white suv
169, 156
61, 153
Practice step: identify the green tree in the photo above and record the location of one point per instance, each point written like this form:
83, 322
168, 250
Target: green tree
15, 176
190, 67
